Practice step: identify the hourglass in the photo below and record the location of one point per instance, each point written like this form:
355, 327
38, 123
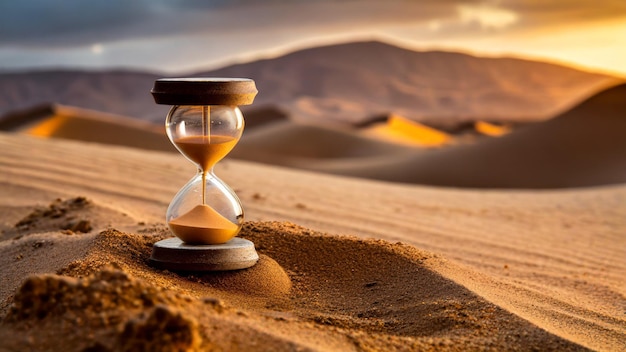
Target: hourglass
204, 124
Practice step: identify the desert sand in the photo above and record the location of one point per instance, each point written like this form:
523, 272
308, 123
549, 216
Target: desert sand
414, 232
346, 264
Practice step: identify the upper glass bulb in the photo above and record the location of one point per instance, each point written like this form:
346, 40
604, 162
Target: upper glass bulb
204, 134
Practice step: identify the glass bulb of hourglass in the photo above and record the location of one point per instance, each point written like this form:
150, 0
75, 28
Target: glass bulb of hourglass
205, 210
204, 134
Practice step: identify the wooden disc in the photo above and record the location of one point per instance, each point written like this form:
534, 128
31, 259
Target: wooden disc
173, 254
204, 91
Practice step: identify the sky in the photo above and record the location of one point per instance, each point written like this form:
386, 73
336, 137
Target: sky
178, 36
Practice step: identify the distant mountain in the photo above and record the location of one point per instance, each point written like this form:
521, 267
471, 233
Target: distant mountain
346, 83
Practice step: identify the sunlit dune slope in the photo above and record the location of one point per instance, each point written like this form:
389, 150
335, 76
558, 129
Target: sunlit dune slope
490, 129
584, 146
119, 92
58, 121
400, 130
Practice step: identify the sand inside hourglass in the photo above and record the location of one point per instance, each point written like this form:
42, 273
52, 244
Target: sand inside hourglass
202, 224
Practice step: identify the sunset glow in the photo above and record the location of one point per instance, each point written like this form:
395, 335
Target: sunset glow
155, 35
598, 46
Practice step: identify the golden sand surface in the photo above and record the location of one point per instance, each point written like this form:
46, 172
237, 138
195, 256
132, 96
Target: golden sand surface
206, 150
399, 129
369, 266
203, 225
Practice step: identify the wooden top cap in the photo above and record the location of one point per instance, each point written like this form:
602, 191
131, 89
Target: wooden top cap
204, 91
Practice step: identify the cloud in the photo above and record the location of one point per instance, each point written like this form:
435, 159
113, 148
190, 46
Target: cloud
183, 34
65, 23
487, 16
97, 48
41, 20
565, 11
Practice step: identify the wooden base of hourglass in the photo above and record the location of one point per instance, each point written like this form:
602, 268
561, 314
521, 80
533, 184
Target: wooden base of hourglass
174, 254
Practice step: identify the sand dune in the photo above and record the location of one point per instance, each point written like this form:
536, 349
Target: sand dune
579, 148
400, 130
584, 146
490, 129
117, 92
257, 116
478, 270
296, 145
68, 122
